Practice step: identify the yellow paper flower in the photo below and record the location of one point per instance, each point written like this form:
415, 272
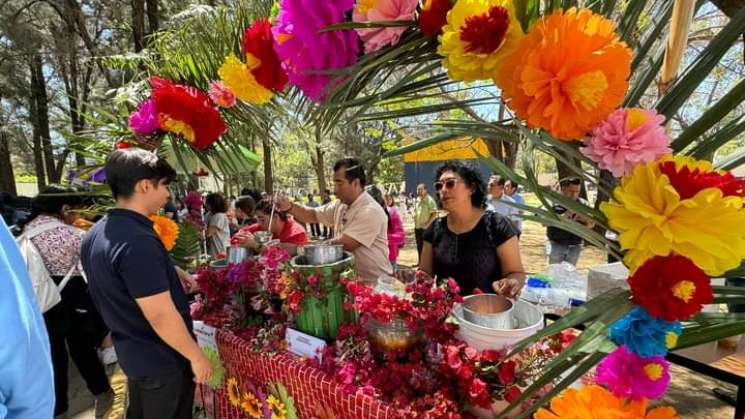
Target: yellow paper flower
277, 407
595, 402
234, 393
479, 34
567, 74
252, 405
166, 229
238, 78
653, 219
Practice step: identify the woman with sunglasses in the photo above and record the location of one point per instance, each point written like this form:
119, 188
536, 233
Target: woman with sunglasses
475, 246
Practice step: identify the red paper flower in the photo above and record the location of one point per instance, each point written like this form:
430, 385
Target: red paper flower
512, 394
671, 287
258, 42
507, 372
433, 16
688, 181
188, 112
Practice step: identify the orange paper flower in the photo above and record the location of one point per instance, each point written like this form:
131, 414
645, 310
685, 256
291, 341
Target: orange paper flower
567, 74
595, 402
166, 229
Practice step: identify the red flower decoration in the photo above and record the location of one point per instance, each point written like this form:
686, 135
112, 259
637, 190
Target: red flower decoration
189, 109
507, 372
433, 16
512, 394
670, 287
258, 41
689, 182
121, 145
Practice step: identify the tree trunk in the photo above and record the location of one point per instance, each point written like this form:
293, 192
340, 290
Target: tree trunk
152, 16
39, 94
319, 164
268, 179
7, 177
138, 24
38, 157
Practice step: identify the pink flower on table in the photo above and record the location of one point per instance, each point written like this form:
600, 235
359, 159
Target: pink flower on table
221, 95
629, 376
305, 52
145, 119
627, 137
379, 11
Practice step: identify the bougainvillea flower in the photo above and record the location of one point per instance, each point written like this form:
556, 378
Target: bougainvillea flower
479, 34
653, 220
626, 138
595, 402
187, 111
307, 54
567, 74
670, 287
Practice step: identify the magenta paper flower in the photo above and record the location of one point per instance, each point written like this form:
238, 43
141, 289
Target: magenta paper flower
630, 376
145, 119
304, 51
221, 95
382, 10
627, 137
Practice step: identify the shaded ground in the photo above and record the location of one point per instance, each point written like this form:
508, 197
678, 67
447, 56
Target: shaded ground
689, 393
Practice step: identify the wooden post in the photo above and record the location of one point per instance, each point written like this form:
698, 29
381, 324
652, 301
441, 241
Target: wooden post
677, 41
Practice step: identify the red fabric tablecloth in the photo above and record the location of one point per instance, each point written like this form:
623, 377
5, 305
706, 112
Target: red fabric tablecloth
315, 393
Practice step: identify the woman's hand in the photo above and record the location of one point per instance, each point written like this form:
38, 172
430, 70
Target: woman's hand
247, 239
508, 287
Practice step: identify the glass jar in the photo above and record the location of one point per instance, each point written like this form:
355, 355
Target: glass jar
391, 335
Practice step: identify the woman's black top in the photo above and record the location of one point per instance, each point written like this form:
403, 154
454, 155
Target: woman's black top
471, 257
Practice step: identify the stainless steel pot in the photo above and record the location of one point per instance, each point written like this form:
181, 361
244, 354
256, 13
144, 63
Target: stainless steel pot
488, 310
322, 254
263, 237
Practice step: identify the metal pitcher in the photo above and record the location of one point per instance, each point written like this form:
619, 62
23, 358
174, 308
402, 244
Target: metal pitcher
237, 254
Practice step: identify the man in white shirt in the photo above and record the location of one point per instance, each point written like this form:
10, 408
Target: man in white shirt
499, 202
358, 220
511, 190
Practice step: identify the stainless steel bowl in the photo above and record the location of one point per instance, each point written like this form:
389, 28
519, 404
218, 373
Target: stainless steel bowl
263, 237
322, 254
488, 310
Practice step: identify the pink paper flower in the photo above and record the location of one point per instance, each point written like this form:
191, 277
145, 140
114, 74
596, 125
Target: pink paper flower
221, 95
306, 53
379, 11
626, 138
630, 376
144, 120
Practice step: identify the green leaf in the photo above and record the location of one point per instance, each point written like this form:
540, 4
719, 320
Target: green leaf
630, 18
371, 24
702, 65
706, 148
711, 117
732, 162
698, 335
527, 12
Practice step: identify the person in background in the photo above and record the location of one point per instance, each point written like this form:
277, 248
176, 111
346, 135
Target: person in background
425, 211
283, 228
359, 222
511, 189
218, 227
181, 209
170, 210
396, 233
315, 228
73, 324
245, 208
497, 201
137, 291
567, 246
476, 247
26, 371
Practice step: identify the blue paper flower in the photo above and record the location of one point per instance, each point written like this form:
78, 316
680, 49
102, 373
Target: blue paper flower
643, 334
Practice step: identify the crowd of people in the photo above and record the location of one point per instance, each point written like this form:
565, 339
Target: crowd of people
117, 282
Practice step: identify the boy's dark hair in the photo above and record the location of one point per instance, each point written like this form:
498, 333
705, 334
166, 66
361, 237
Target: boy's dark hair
216, 203
124, 168
265, 206
352, 170
570, 181
498, 179
246, 204
470, 176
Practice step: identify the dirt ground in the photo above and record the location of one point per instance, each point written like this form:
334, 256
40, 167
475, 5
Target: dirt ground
689, 393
